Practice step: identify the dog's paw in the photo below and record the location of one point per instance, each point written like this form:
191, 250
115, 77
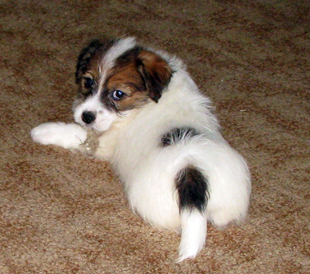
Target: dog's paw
46, 134
69, 136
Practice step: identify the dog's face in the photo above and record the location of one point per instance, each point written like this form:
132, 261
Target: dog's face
114, 78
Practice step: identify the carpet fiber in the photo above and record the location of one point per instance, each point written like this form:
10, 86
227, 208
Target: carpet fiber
65, 213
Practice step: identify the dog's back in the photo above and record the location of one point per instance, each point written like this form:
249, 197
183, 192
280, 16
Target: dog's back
178, 170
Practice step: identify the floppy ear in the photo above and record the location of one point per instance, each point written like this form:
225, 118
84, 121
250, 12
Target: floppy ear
155, 71
85, 57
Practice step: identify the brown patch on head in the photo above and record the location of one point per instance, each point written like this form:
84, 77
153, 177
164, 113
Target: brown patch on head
140, 75
88, 83
155, 71
87, 72
136, 76
128, 80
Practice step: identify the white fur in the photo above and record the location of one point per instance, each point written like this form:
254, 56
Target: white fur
69, 136
117, 49
194, 232
132, 144
104, 118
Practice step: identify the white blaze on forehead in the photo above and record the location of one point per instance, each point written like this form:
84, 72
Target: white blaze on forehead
119, 48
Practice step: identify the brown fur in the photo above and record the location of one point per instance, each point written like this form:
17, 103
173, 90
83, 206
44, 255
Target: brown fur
88, 63
156, 73
139, 73
128, 80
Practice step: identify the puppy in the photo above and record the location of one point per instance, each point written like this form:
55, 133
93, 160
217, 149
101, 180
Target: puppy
139, 109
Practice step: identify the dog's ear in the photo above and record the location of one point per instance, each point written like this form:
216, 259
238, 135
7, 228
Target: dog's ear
84, 58
155, 72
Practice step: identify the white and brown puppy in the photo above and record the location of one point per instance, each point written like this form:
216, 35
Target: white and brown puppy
139, 109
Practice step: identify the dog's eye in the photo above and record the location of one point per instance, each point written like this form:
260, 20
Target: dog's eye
118, 95
88, 82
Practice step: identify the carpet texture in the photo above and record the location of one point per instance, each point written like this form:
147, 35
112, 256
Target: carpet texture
64, 213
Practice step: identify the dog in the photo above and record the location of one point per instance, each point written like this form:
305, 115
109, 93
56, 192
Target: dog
139, 109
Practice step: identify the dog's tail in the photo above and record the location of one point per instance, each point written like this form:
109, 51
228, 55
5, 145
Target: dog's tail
192, 187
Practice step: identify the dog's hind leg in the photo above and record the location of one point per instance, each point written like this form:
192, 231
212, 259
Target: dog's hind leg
193, 193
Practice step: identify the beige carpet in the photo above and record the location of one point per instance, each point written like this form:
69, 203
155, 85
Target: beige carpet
64, 213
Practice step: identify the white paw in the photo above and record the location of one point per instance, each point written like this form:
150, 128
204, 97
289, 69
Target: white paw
45, 134
69, 136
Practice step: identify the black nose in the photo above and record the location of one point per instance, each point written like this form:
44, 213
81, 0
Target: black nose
88, 117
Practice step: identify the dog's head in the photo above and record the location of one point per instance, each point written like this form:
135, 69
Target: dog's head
115, 77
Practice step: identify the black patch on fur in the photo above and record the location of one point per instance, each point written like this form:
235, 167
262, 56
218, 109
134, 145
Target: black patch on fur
87, 54
192, 188
128, 56
106, 99
177, 134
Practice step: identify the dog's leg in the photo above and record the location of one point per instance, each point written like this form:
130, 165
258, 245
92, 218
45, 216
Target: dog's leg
69, 136
193, 193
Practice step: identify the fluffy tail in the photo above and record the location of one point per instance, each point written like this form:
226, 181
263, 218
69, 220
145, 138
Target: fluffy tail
193, 193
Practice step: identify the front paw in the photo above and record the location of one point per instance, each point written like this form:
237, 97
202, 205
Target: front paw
69, 136
46, 134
